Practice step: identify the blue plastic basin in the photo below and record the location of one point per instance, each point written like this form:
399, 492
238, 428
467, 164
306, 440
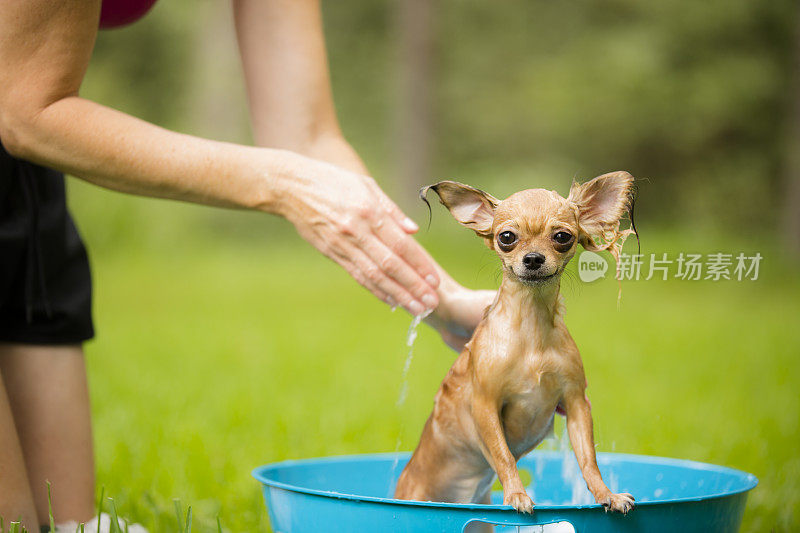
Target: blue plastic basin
349, 494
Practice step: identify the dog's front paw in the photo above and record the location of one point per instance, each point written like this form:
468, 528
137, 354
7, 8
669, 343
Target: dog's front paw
519, 501
622, 503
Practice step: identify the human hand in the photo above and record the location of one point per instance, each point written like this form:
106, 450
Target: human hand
348, 218
459, 312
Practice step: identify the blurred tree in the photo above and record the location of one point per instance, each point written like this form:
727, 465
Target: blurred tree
791, 203
689, 95
218, 99
144, 69
415, 26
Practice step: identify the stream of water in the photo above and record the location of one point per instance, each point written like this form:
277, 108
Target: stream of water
401, 397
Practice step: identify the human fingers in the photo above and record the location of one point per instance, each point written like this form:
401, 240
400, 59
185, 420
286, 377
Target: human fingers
409, 251
366, 272
395, 252
392, 265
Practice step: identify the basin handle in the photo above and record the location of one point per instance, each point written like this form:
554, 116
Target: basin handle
551, 525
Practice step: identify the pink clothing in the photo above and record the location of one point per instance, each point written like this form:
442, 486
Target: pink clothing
115, 13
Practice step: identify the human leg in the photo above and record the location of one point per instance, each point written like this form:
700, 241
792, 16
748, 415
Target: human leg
48, 395
16, 501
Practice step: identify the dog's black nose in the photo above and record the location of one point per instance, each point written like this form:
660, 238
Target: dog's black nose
533, 260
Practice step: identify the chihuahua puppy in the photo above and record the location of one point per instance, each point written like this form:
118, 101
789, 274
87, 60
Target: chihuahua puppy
521, 366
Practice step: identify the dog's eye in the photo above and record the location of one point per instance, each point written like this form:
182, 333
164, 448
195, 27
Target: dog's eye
506, 240
563, 237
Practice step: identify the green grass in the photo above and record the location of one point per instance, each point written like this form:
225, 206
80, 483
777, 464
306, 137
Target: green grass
184, 526
212, 358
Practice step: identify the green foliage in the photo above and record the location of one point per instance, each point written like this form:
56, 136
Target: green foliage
145, 69
691, 96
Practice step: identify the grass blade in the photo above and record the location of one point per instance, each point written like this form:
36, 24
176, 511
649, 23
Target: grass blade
100, 507
50, 509
178, 513
219, 525
114, 519
188, 527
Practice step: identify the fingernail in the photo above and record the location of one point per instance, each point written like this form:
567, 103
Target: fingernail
390, 301
416, 308
432, 280
409, 225
429, 300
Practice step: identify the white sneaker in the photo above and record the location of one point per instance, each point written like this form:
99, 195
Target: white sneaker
105, 526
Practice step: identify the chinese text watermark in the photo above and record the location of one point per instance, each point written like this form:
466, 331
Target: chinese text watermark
685, 266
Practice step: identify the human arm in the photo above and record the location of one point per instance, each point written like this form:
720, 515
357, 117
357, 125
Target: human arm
45, 49
288, 84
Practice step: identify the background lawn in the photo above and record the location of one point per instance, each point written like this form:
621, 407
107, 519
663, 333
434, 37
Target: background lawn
213, 358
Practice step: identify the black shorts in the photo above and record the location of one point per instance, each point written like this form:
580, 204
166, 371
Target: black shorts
45, 284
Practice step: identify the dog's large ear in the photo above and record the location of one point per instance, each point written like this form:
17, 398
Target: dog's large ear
600, 204
471, 207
